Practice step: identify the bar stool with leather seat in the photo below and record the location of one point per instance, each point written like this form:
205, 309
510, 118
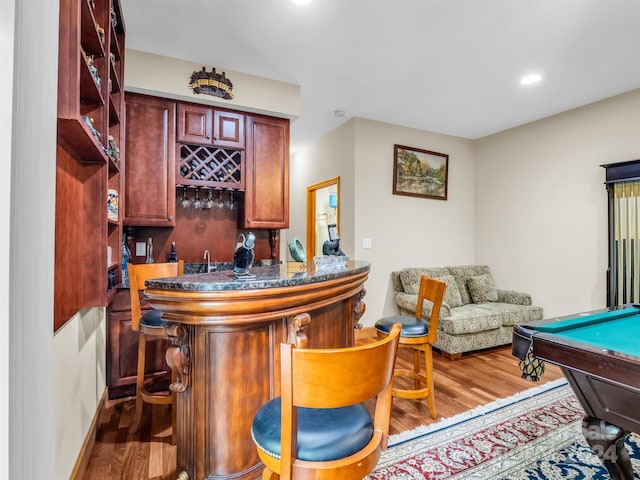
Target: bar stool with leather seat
319, 428
150, 326
419, 335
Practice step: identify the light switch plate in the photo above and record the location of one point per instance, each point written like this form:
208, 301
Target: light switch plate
367, 243
141, 249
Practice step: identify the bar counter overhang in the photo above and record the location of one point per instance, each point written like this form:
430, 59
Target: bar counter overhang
226, 334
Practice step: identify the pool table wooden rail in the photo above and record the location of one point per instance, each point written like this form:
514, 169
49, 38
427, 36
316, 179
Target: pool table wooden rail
606, 382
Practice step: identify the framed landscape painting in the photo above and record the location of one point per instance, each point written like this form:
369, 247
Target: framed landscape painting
420, 173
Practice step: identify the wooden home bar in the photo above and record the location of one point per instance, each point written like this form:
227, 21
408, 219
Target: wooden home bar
225, 333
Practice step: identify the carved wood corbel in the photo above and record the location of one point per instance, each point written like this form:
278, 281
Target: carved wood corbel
297, 325
358, 309
178, 356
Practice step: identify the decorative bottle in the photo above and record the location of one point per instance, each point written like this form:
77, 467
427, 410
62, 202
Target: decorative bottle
172, 255
244, 255
126, 258
149, 251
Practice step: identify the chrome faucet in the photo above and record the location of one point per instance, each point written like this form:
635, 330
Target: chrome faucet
207, 257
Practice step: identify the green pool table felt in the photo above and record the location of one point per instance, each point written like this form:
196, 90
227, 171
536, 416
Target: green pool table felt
617, 330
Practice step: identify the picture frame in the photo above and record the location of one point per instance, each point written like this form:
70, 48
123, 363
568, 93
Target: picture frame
420, 173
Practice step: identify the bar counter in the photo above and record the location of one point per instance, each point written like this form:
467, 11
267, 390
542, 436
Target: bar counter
226, 332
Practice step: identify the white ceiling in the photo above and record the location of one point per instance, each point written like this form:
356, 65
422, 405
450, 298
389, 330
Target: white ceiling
447, 66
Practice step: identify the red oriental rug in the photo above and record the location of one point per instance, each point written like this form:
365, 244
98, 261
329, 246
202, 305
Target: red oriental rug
534, 435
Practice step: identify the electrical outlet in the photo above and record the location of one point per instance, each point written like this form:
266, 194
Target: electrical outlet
367, 243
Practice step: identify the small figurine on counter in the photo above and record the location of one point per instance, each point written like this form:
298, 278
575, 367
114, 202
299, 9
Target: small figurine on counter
244, 255
332, 247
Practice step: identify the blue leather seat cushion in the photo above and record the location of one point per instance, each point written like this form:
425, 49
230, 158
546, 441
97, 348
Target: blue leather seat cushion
323, 433
153, 318
411, 326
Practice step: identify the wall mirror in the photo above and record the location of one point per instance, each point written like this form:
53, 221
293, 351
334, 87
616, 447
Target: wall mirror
323, 211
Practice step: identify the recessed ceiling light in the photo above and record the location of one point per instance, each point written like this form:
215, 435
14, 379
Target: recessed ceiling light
531, 79
301, 2
339, 113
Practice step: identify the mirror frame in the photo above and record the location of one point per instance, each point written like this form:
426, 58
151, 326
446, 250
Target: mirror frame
311, 212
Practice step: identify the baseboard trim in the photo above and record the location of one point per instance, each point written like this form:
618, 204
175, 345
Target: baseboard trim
78, 472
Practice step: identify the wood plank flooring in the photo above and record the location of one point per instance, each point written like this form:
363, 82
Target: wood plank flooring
475, 379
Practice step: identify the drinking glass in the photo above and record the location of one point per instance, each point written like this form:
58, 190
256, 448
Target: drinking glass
230, 204
184, 200
197, 203
208, 204
218, 203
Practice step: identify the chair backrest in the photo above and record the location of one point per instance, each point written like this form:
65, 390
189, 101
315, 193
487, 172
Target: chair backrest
433, 290
331, 378
140, 273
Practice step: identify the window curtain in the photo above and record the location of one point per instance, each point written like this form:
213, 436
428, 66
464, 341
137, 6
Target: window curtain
622, 180
624, 226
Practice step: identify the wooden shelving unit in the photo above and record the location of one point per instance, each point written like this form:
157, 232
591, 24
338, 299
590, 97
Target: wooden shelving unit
90, 133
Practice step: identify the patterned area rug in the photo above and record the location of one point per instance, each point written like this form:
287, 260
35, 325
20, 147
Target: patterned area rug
533, 435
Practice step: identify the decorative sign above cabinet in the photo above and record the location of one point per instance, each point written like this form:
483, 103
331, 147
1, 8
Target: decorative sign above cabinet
211, 83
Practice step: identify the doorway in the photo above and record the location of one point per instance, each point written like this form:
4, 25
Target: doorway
323, 211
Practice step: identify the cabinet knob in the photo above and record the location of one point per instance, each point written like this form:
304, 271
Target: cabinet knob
170, 218
248, 220
208, 137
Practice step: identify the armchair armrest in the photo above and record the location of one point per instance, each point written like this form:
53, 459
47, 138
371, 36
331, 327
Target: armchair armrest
409, 302
516, 298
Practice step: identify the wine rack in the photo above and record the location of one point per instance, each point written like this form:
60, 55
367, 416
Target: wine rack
210, 166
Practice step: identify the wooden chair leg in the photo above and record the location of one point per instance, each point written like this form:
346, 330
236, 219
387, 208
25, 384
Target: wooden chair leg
269, 475
137, 417
428, 372
416, 369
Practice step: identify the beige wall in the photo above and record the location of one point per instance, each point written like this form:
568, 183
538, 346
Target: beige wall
80, 379
169, 78
541, 204
405, 231
408, 231
330, 157
529, 202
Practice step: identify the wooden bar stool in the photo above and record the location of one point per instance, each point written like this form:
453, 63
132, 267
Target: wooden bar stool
419, 335
319, 428
150, 326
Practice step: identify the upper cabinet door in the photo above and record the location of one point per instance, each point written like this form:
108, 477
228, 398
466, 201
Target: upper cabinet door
195, 124
201, 125
266, 203
228, 128
150, 169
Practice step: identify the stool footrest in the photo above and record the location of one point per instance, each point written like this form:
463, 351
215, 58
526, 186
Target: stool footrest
412, 392
416, 394
410, 374
157, 398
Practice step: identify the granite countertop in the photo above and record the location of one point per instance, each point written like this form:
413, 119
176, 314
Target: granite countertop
265, 277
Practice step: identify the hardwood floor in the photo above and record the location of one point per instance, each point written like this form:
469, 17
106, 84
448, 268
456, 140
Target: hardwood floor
475, 379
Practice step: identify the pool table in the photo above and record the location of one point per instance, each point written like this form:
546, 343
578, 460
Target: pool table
599, 353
